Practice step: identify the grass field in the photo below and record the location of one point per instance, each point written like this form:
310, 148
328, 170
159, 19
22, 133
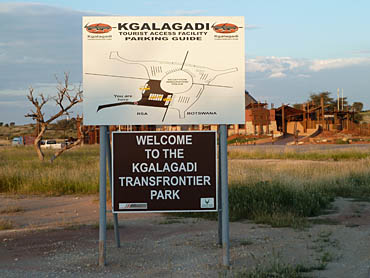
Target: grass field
76, 171
320, 153
278, 186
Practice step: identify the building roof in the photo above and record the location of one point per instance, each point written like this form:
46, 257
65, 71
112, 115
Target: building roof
249, 99
289, 111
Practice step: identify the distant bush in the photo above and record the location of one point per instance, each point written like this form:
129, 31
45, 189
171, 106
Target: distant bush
1, 123
12, 124
6, 125
66, 124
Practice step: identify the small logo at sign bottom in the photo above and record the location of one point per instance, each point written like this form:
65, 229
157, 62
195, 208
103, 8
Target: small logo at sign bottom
133, 206
207, 203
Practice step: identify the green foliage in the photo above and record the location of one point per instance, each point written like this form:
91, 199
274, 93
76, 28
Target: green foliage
357, 118
279, 270
316, 98
357, 106
283, 193
272, 199
242, 140
65, 124
341, 141
355, 185
297, 106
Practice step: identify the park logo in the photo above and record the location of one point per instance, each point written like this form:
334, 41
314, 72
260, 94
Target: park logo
98, 28
225, 28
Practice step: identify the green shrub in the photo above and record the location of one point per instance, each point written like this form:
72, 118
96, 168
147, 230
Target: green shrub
268, 198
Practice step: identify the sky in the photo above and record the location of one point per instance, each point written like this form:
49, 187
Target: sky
293, 48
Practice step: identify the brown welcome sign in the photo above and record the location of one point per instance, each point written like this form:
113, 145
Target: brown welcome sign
164, 171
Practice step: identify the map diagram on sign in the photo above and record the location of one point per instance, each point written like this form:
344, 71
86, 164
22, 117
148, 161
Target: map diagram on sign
169, 85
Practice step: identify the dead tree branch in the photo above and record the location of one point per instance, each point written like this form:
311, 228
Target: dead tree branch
65, 99
78, 142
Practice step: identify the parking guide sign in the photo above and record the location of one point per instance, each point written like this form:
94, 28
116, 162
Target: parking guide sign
164, 171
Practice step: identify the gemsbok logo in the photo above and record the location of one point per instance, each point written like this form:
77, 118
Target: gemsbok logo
98, 28
225, 28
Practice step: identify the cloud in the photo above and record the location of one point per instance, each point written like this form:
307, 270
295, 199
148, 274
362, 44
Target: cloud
288, 67
13, 43
251, 27
318, 65
277, 75
304, 75
38, 42
33, 9
14, 103
34, 60
275, 67
364, 51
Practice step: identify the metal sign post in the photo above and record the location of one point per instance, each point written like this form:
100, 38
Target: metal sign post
219, 192
115, 216
102, 196
224, 196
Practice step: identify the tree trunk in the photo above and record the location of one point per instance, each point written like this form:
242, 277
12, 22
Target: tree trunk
36, 143
68, 147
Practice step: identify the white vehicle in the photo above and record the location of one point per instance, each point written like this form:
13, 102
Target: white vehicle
51, 144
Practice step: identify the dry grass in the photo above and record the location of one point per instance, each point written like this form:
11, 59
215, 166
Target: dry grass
281, 192
6, 224
275, 191
308, 152
11, 209
296, 173
77, 171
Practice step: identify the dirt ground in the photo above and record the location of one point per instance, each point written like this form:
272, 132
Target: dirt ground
58, 237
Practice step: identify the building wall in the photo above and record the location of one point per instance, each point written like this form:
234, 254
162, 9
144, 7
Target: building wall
290, 127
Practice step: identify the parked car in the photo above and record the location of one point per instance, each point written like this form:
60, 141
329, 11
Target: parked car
23, 140
17, 141
51, 144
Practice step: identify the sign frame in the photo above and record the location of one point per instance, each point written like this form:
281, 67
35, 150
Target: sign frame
216, 186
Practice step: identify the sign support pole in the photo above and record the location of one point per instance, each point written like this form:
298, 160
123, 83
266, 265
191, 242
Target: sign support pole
224, 195
219, 191
115, 216
102, 196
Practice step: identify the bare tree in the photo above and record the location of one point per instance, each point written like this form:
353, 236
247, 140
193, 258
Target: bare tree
66, 98
78, 142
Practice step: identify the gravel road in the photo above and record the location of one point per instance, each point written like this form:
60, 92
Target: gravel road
155, 245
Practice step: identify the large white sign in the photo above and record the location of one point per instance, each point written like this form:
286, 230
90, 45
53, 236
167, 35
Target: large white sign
163, 70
